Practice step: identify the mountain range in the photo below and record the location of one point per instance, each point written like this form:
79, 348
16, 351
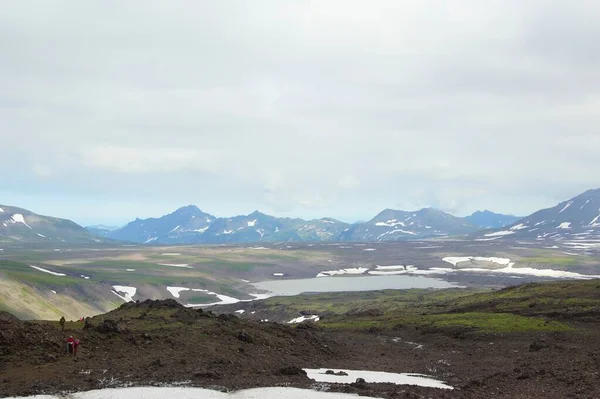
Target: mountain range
576, 219
190, 225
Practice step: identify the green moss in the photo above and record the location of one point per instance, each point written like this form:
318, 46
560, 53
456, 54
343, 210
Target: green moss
495, 322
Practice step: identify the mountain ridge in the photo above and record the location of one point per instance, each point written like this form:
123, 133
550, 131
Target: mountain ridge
19, 225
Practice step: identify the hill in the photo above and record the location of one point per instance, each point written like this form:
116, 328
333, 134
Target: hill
490, 220
18, 225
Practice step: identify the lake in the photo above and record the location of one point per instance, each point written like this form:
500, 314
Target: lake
341, 284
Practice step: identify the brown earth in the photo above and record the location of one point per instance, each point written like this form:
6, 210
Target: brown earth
161, 342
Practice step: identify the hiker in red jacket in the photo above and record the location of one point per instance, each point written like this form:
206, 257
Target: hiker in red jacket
70, 345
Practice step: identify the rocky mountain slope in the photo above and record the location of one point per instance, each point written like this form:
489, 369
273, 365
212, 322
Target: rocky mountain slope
491, 220
19, 225
577, 219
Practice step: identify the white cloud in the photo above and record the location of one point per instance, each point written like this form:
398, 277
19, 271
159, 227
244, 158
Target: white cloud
284, 106
150, 160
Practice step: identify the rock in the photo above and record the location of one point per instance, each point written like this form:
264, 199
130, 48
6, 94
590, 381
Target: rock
213, 375
537, 346
245, 337
360, 383
339, 373
291, 370
156, 363
109, 326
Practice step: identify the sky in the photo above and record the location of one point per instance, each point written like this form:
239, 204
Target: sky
114, 110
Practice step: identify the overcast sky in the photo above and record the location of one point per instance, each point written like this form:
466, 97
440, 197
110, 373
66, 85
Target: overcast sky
112, 110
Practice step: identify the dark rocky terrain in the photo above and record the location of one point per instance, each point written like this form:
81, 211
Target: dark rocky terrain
161, 342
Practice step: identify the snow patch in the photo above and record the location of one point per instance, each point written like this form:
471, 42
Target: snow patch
128, 292
129, 270
356, 270
456, 260
369, 249
396, 231
241, 311
376, 377
252, 223
520, 226
41, 235
201, 393
47, 271
183, 265
18, 218
150, 239
54, 292
566, 207
393, 267
171, 254
390, 223
564, 225
303, 318
227, 231
586, 202
176, 227
278, 274
499, 233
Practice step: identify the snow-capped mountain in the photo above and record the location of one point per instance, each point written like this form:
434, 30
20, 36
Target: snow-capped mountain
574, 219
20, 225
490, 220
190, 225
185, 225
393, 224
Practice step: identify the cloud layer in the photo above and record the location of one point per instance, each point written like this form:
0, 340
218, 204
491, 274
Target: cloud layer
113, 110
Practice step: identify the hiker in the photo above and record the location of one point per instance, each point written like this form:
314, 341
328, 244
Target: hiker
62, 323
70, 345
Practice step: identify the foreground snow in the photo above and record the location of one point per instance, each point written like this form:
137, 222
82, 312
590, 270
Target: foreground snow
200, 393
376, 377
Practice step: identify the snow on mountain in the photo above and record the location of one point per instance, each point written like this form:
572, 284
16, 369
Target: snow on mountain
572, 221
182, 226
393, 224
22, 225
